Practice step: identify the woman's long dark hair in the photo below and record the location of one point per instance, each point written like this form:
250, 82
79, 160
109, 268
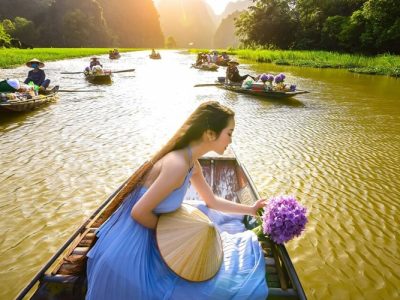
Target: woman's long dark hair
210, 115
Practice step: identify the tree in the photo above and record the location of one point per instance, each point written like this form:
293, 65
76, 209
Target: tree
25, 30
78, 23
4, 37
170, 42
268, 22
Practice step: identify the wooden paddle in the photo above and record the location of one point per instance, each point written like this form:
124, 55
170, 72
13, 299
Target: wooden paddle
79, 91
119, 71
207, 84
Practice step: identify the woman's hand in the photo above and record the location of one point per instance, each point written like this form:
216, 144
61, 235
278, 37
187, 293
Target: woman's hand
260, 203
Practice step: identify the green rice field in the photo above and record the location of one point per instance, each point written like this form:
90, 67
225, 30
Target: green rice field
10, 58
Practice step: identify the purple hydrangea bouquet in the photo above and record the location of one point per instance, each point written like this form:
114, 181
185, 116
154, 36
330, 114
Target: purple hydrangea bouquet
283, 219
267, 78
279, 80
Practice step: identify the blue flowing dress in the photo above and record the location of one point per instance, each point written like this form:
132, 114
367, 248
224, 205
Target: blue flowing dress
125, 263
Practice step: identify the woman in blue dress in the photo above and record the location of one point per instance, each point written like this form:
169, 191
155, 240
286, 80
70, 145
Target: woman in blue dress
125, 262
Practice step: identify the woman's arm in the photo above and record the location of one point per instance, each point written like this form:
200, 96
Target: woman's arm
218, 203
173, 172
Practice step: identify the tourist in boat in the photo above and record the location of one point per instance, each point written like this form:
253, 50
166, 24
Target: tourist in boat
94, 61
37, 76
200, 59
125, 262
13, 85
214, 57
154, 54
232, 73
225, 56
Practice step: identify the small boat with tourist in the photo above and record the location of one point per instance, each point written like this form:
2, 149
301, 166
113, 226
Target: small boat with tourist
155, 56
98, 78
64, 275
260, 89
114, 56
18, 102
206, 67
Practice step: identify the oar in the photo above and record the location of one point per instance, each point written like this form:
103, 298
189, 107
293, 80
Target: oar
71, 72
79, 91
120, 71
207, 84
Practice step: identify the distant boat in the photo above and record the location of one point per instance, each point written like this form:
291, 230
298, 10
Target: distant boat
64, 275
155, 56
237, 87
206, 67
19, 103
114, 56
222, 63
98, 78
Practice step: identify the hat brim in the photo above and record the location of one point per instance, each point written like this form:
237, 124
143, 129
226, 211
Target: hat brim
29, 63
189, 244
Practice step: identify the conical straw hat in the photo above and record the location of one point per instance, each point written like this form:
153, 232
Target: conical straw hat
35, 60
189, 243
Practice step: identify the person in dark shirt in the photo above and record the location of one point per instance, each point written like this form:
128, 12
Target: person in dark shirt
95, 62
232, 72
37, 75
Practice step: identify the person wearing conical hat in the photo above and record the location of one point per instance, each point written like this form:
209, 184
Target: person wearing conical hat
232, 72
139, 253
37, 76
94, 61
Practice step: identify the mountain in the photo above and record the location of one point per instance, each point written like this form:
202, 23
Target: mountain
189, 22
9, 9
134, 23
225, 35
235, 6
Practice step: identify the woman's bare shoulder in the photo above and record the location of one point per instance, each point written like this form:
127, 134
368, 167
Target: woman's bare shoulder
175, 160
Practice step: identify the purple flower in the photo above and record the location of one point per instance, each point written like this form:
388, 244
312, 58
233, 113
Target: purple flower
270, 78
280, 78
264, 77
283, 219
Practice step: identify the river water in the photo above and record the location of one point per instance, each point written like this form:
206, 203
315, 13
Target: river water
336, 149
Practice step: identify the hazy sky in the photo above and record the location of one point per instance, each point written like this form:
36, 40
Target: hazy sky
219, 5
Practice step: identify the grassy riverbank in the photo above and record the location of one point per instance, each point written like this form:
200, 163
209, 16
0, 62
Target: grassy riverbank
10, 58
379, 65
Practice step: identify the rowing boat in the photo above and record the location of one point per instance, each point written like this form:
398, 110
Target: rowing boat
155, 56
98, 78
114, 56
261, 92
64, 275
206, 67
21, 103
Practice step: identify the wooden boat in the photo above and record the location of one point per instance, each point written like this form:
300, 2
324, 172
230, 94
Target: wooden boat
237, 87
98, 78
22, 103
206, 67
114, 56
64, 275
223, 63
156, 56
